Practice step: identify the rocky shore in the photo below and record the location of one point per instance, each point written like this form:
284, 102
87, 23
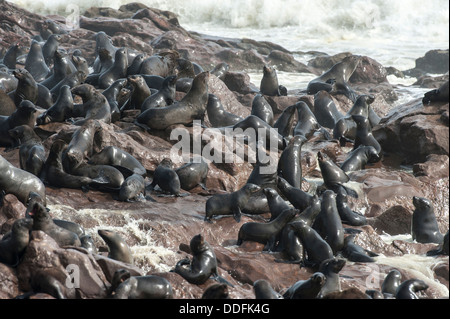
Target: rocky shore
414, 137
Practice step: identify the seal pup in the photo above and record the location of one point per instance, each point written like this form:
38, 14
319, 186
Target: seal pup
125, 286
424, 226
316, 249
358, 158
339, 73
263, 290
269, 82
19, 182
330, 268
166, 178
31, 150
262, 109
290, 163
61, 110
348, 216
117, 71
325, 110
391, 282
13, 245
364, 134
409, 288
94, 107
112, 94
203, 264
120, 159
265, 233
354, 252
306, 289
118, 248
42, 221
285, 122
297, 197
191, 107
193, 174
328, 222
217, 115
230, 203
307, 123
437, 95
139, 93
164, 97
35, 62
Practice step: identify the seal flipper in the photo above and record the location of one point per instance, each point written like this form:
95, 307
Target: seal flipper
237, 214
220, 279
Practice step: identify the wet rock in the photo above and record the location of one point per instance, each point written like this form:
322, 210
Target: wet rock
369, 71
435, 167
434, 61
394, 221
325, 62
9, 286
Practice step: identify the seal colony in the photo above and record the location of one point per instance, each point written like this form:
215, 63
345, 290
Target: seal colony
105, 138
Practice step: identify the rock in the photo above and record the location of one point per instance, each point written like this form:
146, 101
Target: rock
325, 62
9, 286
434, 167
434, 61
394, 221
369, 71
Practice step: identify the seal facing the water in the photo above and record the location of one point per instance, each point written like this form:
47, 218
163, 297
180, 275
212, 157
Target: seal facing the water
424, 227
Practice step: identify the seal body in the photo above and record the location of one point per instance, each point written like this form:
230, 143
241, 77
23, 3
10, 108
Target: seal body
332, 174
139, 93
391, 282
164, 97
269, 82
118, 248
290, 163
331, 268
285, 122
166, 177
348, 216
364, 134
358, 158
306, 289
115, 156
193, 174
35, 62
132, 188
262, 109
217, 115
263, 290
229, 204
424, 227
61, 110
356, 253
307, 123
14, 245
203, 264
117, 71
300, 199
94, 107
191, 107
409, 288
125, 286
437, 95
325, 109
276, 203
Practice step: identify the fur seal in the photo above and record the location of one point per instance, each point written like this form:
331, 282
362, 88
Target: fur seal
315, 247
13, 245
61, 110
125, 286
193, 174
276, 203
132, 188
269, 82
217, 115
265, 233
25, 114
191, 107
358, 158
71, 80
94, 107
102, 41
135, 66
61, 69
442, 249
31, 150
112, 94
88, 243
308, 216
49, 48
364, 134
164, 97
220, 70
35, 62
118, 248
7, 105
437, 95
325, 110
166, 177
117, 71
114, 156
203, 264
328, 222
409, 288
332, 174
307, 123
339, 73
139, 93
290, 163
298, 198
162, 64
19, 182
348, 216
306, 289
330, 268
10, 57
230, 203
356, 253
80, 63
262, 109
424, 227
263, 290
285, 122
391, 282
27, 88
53, 172
42, 221
216, 291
